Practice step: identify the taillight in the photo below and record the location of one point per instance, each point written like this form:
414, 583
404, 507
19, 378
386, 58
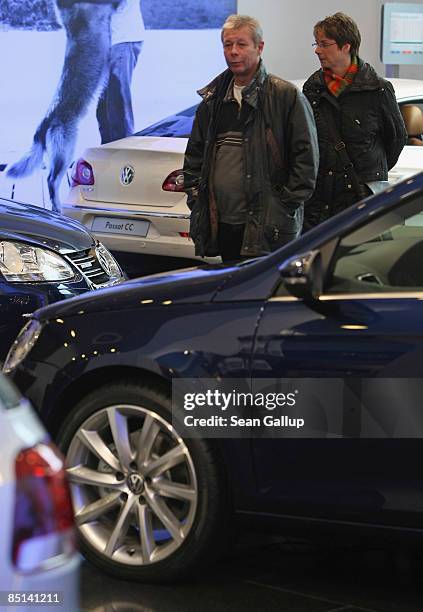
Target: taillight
82, 173
174, 182
43, 519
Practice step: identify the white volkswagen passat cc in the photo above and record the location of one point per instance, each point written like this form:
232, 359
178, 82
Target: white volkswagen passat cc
130, 192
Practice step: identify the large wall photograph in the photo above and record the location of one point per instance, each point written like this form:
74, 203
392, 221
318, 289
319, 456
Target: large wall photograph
167, 50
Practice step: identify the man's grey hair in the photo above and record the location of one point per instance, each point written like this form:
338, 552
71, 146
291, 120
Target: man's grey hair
235, 22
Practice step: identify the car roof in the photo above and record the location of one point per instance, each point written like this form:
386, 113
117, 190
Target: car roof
407, 88
404, 88
180, 124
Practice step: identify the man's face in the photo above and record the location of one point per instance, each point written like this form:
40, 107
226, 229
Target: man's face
241, 54
330, 55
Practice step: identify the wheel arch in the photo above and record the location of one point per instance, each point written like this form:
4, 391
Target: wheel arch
94, 379
73, 393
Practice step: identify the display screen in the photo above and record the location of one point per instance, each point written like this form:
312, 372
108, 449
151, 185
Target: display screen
402, 33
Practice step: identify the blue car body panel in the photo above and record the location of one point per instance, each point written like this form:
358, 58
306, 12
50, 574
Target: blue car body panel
240, 322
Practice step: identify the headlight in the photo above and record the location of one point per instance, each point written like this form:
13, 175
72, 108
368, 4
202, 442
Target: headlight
108, 262
26, 339
23, 263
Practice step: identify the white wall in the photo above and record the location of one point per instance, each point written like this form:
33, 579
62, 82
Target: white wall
288, 32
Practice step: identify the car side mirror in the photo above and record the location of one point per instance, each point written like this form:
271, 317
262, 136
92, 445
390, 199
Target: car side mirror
302, 275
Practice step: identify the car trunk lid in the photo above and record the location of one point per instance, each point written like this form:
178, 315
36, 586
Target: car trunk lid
131, 171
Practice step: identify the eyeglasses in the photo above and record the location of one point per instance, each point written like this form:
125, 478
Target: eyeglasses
322, 45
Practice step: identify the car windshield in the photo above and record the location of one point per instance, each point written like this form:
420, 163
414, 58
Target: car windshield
174, 126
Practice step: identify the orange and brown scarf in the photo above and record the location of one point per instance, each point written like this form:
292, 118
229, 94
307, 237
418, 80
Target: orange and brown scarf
335, 83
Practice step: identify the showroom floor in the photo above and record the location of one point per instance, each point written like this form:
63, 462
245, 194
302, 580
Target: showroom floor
272, 574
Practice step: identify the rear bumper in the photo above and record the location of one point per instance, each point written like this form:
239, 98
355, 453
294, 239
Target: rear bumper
163, 236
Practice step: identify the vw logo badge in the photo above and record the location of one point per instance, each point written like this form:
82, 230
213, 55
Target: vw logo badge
135, 484
103, 262
127, 175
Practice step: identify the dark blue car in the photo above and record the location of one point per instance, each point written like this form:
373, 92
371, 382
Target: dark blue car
329, 330
45, 258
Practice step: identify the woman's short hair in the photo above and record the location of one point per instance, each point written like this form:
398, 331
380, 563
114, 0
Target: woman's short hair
342, 29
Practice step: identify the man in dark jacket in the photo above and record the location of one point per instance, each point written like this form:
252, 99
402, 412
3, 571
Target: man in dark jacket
360, 127
252, 158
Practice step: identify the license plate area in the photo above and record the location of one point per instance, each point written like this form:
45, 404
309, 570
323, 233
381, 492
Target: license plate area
119, 225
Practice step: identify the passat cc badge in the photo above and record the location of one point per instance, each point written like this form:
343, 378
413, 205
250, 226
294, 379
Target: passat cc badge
127, 175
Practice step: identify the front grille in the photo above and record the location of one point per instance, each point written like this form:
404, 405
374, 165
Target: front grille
89, 266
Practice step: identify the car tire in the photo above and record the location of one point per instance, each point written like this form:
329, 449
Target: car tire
130, 520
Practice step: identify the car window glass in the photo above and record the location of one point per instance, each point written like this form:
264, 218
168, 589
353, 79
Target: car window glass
384, 255
418, 103
9, 396
413, 123
175, 126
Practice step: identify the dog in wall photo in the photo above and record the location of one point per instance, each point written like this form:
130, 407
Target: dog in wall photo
88, 42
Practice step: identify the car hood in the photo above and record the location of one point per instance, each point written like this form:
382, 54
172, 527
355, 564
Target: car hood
187, 286
32, 224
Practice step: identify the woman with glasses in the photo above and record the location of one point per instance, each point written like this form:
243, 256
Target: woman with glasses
360, 128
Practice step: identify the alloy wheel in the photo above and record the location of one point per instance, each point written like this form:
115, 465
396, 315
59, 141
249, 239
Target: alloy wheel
133, 483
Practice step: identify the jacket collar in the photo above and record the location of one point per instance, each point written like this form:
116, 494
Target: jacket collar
365, 79
220, 84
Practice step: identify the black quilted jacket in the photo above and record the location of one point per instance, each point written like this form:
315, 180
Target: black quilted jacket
369, 122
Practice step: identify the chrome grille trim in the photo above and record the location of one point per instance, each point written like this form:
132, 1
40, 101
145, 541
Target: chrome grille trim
88, 265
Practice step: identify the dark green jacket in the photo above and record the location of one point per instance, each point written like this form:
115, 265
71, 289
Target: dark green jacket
281, 160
